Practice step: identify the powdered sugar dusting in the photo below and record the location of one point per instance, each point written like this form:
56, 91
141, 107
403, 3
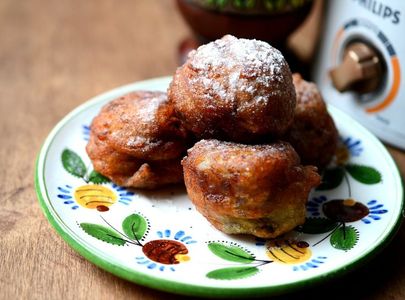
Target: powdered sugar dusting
148, 112
231, 88
253, 53
137, 141
237, 65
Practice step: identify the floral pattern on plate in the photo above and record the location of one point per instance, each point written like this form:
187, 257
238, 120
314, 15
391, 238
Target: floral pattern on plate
158, 239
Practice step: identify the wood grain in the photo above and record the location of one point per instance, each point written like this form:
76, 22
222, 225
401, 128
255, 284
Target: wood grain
54, 55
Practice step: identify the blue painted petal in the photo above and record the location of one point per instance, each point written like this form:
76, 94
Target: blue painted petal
118, 188
318, 200
186, 238
123, 202
374, 217
162, 268
140, 257
152, 266
63, 190
179, 234
167, 232
295, 268
317, 261
354, 144
64, 196
172, 269
68, 186
380, 211
126, 199
371, 202
68, 202
127, 194
160, 234
366, 221
191, 242
312, 204
376, 206
86, 127
322, 257
303, 267
143, 262
310, 265
323, 198
75, 207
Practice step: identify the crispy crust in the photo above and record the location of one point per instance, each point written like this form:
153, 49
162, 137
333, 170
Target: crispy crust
260, 190
141, 124
313, 133
128, 171
136, 141
234, 89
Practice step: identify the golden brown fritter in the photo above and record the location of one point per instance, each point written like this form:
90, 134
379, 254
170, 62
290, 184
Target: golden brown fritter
128, 171
141, 124
136, 141
260, 190
234, 89
313, 133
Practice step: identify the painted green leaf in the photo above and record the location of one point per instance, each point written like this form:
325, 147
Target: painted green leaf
97, 178
232, 273
331, 179
231, 253
364, 174
344, 238
317, 225
73, 163
135, 226
103, 233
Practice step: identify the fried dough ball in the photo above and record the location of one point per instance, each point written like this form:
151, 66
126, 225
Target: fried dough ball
136, 141
128, 171
141, 124
234, 89
251, 189
313, 133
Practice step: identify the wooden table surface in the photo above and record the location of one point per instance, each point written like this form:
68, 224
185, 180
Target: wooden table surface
53, 56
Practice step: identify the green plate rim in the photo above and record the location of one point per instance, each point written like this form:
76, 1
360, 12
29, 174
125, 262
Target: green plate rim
185, 288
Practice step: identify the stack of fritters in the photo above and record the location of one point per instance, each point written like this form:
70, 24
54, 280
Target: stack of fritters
252, 121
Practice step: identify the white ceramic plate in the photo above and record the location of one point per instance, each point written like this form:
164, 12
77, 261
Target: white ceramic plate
158, 239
